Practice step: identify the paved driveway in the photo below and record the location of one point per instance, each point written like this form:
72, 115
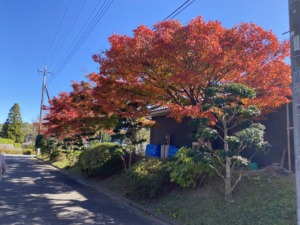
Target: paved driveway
35, 193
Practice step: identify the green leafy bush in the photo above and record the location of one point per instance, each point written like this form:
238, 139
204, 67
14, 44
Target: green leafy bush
17, 145
101, 160
48, 145
28, 151
189, 166
72, 157
56, 156
148, 178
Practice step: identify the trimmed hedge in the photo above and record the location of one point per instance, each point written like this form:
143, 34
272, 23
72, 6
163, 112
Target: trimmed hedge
6, 141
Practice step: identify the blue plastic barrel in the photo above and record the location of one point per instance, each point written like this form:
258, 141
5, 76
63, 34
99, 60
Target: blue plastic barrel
172, 151
153, 150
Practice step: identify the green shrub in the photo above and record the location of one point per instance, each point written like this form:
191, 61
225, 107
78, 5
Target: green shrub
148, 178
6, 141
72, 157
101, 160
56, 156
189, 166
17, 145
28, 151
49, 145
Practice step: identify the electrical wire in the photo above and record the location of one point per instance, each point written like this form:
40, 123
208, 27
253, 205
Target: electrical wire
83, 38
80, 8
182, 9
171, 16
105, 6
103, 9
55, 35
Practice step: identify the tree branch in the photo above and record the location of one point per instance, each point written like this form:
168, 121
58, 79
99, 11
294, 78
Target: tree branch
238, 180
219, 174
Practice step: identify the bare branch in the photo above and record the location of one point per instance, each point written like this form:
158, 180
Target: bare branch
238, 180
219, 174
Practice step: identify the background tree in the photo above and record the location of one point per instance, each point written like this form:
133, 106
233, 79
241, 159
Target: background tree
76, 114
12, 127
29, 131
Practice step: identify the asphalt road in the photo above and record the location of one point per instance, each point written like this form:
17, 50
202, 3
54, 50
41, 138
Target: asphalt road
32, 193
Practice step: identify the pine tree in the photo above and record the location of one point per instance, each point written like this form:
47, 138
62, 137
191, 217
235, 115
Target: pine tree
12, 128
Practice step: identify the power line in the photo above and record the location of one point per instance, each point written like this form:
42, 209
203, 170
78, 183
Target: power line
79, 43
103, 9
105, 6
182, 9
54, 37
171, 16
69, 30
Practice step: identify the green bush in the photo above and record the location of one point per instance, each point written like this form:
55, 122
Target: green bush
17, 145
72, 157
148, 178
101, 160
49, 145
28, 151
56, 156
189, 166
6, 141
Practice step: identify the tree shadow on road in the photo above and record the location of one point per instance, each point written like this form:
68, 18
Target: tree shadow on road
34, 193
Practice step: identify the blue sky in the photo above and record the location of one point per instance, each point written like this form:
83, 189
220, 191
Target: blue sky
27, 29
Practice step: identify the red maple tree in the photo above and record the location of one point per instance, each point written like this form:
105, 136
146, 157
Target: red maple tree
75, 113
177, 63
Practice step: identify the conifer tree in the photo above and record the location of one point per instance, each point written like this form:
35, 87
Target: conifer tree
12, 128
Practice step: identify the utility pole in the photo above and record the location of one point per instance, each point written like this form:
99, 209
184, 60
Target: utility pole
294, 18
43, 90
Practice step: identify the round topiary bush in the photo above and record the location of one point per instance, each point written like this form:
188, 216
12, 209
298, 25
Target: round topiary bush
101, 160
148, 178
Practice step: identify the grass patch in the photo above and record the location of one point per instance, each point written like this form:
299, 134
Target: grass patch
268, 198
64, 164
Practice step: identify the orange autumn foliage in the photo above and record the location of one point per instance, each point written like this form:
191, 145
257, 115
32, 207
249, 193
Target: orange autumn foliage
174, 64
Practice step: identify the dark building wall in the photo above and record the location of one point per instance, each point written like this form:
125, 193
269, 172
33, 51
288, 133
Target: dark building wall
275, 134
179, 132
